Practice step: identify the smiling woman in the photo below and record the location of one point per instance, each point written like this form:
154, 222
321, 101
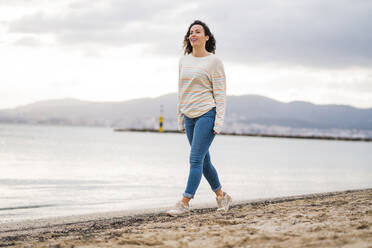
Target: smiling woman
201, 109
198, 35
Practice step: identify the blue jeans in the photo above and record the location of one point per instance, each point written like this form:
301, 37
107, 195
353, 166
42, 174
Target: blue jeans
199, 132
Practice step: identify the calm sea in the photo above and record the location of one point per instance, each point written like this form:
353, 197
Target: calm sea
49, 171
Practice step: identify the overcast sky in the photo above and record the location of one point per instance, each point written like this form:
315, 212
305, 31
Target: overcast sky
114, 50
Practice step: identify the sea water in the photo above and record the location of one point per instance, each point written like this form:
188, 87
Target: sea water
51, 171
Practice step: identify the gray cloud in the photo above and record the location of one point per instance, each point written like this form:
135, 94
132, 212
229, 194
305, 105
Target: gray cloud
312, 33
85, 17
28, 41
316, 33
19, 2
119, 23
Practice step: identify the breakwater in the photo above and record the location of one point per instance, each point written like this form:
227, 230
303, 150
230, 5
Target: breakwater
255, 134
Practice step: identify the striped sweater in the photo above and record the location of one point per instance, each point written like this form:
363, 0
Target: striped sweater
201, 87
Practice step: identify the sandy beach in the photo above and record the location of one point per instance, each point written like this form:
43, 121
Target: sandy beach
334, 219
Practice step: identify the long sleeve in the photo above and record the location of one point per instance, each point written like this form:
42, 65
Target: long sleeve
180, 117
219, 94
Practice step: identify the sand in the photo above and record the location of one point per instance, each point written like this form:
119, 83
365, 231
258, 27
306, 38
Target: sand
334, 219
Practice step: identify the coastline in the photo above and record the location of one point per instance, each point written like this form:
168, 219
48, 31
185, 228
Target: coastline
330, 217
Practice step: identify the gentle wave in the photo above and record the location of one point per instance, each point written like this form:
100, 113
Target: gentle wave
8, 181
27, 207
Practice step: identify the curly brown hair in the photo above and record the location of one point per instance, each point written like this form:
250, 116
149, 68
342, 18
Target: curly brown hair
210, 45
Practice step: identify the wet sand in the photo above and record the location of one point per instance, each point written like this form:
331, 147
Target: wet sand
335, 219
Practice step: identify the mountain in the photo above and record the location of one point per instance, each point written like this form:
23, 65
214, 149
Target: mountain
68, 111
246, 113
263, 110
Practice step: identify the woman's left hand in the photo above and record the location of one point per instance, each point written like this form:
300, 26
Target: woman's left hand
214, 132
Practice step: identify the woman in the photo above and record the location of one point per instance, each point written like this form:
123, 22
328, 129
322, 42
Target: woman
201, 109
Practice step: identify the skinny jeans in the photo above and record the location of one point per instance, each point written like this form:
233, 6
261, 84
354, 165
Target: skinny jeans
199, 132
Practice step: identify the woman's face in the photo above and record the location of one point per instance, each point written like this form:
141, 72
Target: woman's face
197, 36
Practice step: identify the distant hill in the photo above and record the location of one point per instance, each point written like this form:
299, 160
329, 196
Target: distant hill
244, 113
263, 110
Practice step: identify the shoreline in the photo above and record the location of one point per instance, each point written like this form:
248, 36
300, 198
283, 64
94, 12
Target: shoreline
255, 135
93, 226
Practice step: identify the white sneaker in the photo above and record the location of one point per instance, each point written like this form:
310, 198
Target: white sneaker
223, 202
179, 209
